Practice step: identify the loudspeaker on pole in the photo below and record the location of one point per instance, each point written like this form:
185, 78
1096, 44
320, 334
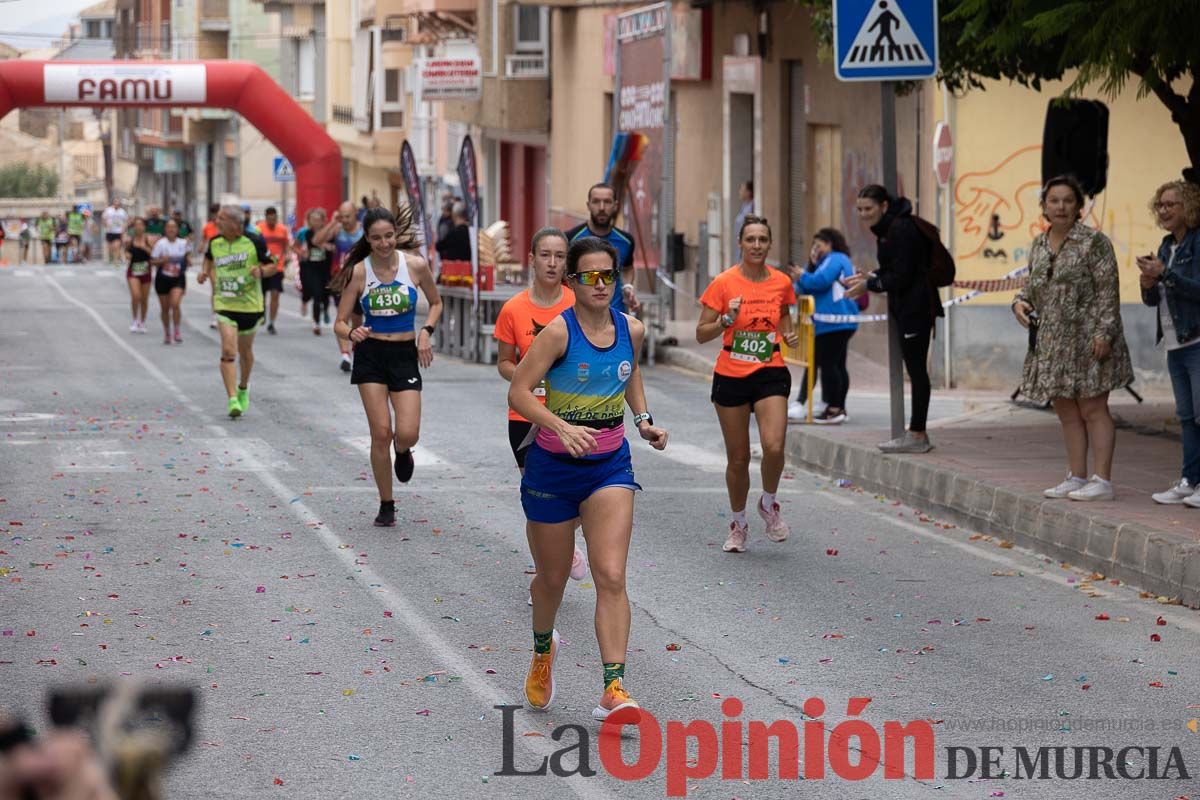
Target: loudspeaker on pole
1075, 142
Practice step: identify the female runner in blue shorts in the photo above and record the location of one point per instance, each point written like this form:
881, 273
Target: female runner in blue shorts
579, 465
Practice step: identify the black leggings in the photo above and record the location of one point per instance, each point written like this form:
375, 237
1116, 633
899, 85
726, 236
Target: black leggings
916, 352
313, 277
830, 355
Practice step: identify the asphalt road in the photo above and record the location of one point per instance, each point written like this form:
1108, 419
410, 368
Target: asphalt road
146, 536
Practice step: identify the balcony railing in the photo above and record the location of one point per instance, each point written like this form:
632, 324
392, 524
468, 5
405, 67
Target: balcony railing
525, 65
151, 38
342, 114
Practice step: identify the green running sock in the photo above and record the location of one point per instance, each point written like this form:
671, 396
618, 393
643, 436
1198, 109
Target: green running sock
613, 672
542, 641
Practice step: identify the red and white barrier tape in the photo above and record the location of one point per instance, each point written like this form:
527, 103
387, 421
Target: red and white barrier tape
1015, 279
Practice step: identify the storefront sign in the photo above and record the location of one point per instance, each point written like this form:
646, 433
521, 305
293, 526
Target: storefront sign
455, 77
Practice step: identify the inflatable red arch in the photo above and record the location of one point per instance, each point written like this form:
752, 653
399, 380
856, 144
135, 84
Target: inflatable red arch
236, 85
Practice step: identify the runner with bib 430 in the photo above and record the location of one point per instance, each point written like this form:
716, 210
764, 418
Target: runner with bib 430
390, 353
748, 305
236, 265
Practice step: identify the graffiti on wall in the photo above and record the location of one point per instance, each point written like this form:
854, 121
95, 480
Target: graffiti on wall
997, 212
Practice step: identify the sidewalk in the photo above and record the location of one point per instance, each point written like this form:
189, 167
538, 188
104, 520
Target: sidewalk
990, 465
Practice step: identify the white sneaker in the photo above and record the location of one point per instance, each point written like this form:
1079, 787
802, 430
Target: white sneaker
736, 543
133, 326
1193, 500
1060, 492
1177, 494
141, 326
797, 411
1097, 489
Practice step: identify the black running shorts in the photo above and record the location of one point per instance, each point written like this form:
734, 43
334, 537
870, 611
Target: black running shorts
764, 382
393, 364
518, 431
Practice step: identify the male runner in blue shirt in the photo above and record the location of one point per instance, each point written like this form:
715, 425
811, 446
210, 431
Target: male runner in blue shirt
602, 208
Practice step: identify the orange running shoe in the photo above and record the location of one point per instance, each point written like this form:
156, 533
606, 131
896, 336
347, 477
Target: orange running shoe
539, 683
615, 698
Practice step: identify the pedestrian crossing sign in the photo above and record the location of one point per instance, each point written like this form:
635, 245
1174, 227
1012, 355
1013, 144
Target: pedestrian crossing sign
283, 170
885, 40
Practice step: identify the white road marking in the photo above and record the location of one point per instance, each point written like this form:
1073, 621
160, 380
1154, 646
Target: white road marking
26, 416
371, 582
146, 364
653, 489
691, 455
243, 454
96, 455
24, 273
422, 456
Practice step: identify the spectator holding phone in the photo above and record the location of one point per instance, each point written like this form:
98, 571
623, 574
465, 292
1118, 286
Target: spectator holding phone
1077, 354
1170, 282
824, 279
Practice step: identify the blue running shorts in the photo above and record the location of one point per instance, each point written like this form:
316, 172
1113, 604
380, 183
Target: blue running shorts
554, 485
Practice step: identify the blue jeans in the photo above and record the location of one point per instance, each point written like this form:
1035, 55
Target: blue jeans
1184, 368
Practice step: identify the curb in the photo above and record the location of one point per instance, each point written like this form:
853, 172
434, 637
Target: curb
1154, 560
685, 359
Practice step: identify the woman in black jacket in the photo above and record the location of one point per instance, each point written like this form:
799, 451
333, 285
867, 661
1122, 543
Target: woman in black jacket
903, 254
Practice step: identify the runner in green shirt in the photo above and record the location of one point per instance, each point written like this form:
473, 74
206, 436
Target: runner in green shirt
74, 234
236, 264
45, 232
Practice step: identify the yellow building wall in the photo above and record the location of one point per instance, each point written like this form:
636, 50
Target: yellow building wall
366, 181
579, 120
998, 158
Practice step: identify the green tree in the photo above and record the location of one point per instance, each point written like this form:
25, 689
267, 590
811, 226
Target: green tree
27, 180
1106, 42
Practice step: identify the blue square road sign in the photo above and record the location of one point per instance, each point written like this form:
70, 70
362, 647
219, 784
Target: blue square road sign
885, 40
283, 171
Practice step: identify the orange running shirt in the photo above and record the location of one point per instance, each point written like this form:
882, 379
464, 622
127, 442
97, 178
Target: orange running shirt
520, 320
210, 232
277, 240
754, 336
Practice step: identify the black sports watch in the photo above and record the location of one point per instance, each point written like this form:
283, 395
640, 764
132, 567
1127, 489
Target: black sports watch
638, 419
428, 329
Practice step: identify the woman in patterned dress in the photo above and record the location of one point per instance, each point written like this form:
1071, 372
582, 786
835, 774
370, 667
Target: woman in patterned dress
1077, 352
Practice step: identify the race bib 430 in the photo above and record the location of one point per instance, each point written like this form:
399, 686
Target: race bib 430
388, 301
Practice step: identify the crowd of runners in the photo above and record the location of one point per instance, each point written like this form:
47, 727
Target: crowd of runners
568, 346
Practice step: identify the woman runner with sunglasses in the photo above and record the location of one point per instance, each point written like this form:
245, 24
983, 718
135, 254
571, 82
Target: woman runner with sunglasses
579, 465
747, 304
523, 317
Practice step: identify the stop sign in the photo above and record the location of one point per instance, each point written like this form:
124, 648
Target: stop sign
943, 154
